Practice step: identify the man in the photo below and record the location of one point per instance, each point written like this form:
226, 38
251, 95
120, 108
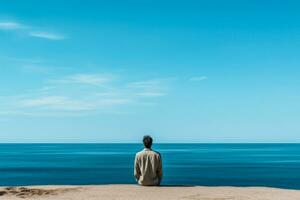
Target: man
148, 165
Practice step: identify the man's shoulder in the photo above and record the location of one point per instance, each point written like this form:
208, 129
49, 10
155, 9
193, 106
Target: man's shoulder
147, 152
156, 153
139, 153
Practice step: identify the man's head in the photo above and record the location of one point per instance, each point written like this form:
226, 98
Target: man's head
147, 140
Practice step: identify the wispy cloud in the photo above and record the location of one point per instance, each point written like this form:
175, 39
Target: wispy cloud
198, 78
10, 25
151, 94
150, 88
29, 30
89, 79
145, 84
45, 101
47, 35
63, 103
76, 93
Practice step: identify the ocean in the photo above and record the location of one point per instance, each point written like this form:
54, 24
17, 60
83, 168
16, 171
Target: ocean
271, 165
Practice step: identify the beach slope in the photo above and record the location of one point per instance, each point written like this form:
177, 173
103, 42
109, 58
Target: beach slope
134, 192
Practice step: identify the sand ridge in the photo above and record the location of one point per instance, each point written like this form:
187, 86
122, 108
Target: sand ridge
28, 192
135, 192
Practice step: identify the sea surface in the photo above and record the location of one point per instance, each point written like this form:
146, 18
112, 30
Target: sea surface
272, 165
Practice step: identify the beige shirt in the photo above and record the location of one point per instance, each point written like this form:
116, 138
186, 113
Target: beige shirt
148, 167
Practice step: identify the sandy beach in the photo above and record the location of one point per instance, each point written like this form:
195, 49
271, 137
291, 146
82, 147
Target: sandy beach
134, 192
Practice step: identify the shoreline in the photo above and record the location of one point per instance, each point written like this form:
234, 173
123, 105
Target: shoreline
136, 192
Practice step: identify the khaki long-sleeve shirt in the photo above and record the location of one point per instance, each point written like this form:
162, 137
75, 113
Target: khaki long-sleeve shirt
148, 167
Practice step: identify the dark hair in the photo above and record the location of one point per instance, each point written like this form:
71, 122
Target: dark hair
147, 140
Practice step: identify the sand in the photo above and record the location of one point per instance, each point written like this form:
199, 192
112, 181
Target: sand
135, 192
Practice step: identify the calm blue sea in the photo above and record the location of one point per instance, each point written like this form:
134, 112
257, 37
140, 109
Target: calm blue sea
275, 165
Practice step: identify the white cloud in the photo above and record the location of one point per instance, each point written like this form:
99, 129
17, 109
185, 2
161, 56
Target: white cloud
63, 103
29, 31
150, 88
93, 79
57, 103
198, 78
10, 25
89, 79
106, 94
47, 35
45, 101
150, 94
145, 84
66, 96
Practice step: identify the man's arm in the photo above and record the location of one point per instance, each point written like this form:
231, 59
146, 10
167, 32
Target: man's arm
137, 172
160, 169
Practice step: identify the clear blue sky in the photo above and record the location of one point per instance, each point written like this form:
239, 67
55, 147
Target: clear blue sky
183, 71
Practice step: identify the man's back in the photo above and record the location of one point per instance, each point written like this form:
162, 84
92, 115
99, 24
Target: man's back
148, 167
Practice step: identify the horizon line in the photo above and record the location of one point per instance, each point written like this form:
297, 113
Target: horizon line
153, 143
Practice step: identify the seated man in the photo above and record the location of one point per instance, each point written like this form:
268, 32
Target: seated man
148, 165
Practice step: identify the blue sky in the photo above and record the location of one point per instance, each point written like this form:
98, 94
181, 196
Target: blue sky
183, 71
